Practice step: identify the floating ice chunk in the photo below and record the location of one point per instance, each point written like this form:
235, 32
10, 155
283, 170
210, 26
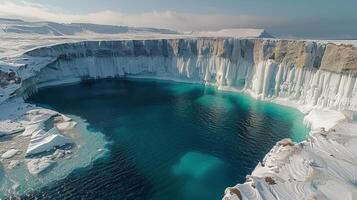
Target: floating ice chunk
59, 154
65, 118
40, 118
41, 111
7, 127
32, 128
40, 115
38, 165
66, 125
13, 164
43, 141
9, 154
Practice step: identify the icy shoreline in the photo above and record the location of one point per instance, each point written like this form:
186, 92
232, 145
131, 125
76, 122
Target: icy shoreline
40, 147
294, 73
321, 167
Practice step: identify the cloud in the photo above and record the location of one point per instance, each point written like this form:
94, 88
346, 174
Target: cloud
32, 12
165, 19
312, 28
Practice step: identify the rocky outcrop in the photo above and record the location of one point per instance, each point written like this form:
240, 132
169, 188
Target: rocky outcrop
340, 59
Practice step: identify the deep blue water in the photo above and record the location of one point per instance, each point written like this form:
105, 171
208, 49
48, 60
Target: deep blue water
167, 140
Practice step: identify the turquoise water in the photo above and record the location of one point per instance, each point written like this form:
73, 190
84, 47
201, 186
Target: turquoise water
166, 140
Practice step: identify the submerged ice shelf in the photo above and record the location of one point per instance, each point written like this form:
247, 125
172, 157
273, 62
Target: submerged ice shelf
41, 146
317, 78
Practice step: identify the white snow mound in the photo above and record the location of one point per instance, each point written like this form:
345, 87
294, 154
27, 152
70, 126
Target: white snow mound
43, 141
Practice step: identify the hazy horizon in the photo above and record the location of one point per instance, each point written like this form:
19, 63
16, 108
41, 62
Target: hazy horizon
320, 19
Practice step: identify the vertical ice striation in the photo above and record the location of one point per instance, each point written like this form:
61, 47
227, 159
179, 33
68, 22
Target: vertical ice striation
305, 72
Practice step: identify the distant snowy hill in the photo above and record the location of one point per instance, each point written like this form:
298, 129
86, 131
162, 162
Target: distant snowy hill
18, 36
15, 26
241, 33
10, 27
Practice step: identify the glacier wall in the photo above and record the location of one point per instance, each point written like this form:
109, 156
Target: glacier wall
307, 73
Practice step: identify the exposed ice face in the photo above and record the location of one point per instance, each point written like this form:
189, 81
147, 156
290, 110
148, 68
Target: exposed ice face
302, 72
9, 154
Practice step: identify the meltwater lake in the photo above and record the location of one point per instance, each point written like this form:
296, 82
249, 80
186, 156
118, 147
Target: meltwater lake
166, 140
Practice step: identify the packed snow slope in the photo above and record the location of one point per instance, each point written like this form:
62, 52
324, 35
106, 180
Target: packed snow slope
11, 27
15, 26
19, 36
319, 78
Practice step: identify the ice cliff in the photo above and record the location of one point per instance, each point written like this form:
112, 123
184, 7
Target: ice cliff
311, 74
319, 78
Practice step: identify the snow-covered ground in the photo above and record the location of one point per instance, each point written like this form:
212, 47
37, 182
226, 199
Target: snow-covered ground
18, 36
312, 76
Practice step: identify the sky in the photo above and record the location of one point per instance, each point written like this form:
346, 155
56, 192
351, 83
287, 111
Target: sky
333, 19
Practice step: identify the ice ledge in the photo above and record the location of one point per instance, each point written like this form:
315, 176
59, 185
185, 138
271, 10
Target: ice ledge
324, 166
